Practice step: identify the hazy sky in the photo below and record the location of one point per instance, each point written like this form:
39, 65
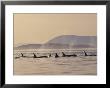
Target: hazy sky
39, 28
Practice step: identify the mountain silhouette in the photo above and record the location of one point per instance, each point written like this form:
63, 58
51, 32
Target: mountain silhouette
74, 41
29, 46
66, 41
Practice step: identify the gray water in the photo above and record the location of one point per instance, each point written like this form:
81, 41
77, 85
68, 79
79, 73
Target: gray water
56, 66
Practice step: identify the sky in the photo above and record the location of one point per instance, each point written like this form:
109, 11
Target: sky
40, 28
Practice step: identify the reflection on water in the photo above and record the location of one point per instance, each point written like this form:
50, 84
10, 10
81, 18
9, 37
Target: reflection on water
82, 65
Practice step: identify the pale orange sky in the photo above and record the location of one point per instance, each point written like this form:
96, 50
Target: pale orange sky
39, 28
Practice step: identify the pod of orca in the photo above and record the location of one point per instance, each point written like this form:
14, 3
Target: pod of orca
22, 55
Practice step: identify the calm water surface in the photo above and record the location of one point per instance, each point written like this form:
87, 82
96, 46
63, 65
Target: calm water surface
82, 65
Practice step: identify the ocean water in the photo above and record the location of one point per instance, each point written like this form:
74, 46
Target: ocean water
79, 65
56, 66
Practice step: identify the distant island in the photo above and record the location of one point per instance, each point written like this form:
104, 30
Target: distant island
64, 42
